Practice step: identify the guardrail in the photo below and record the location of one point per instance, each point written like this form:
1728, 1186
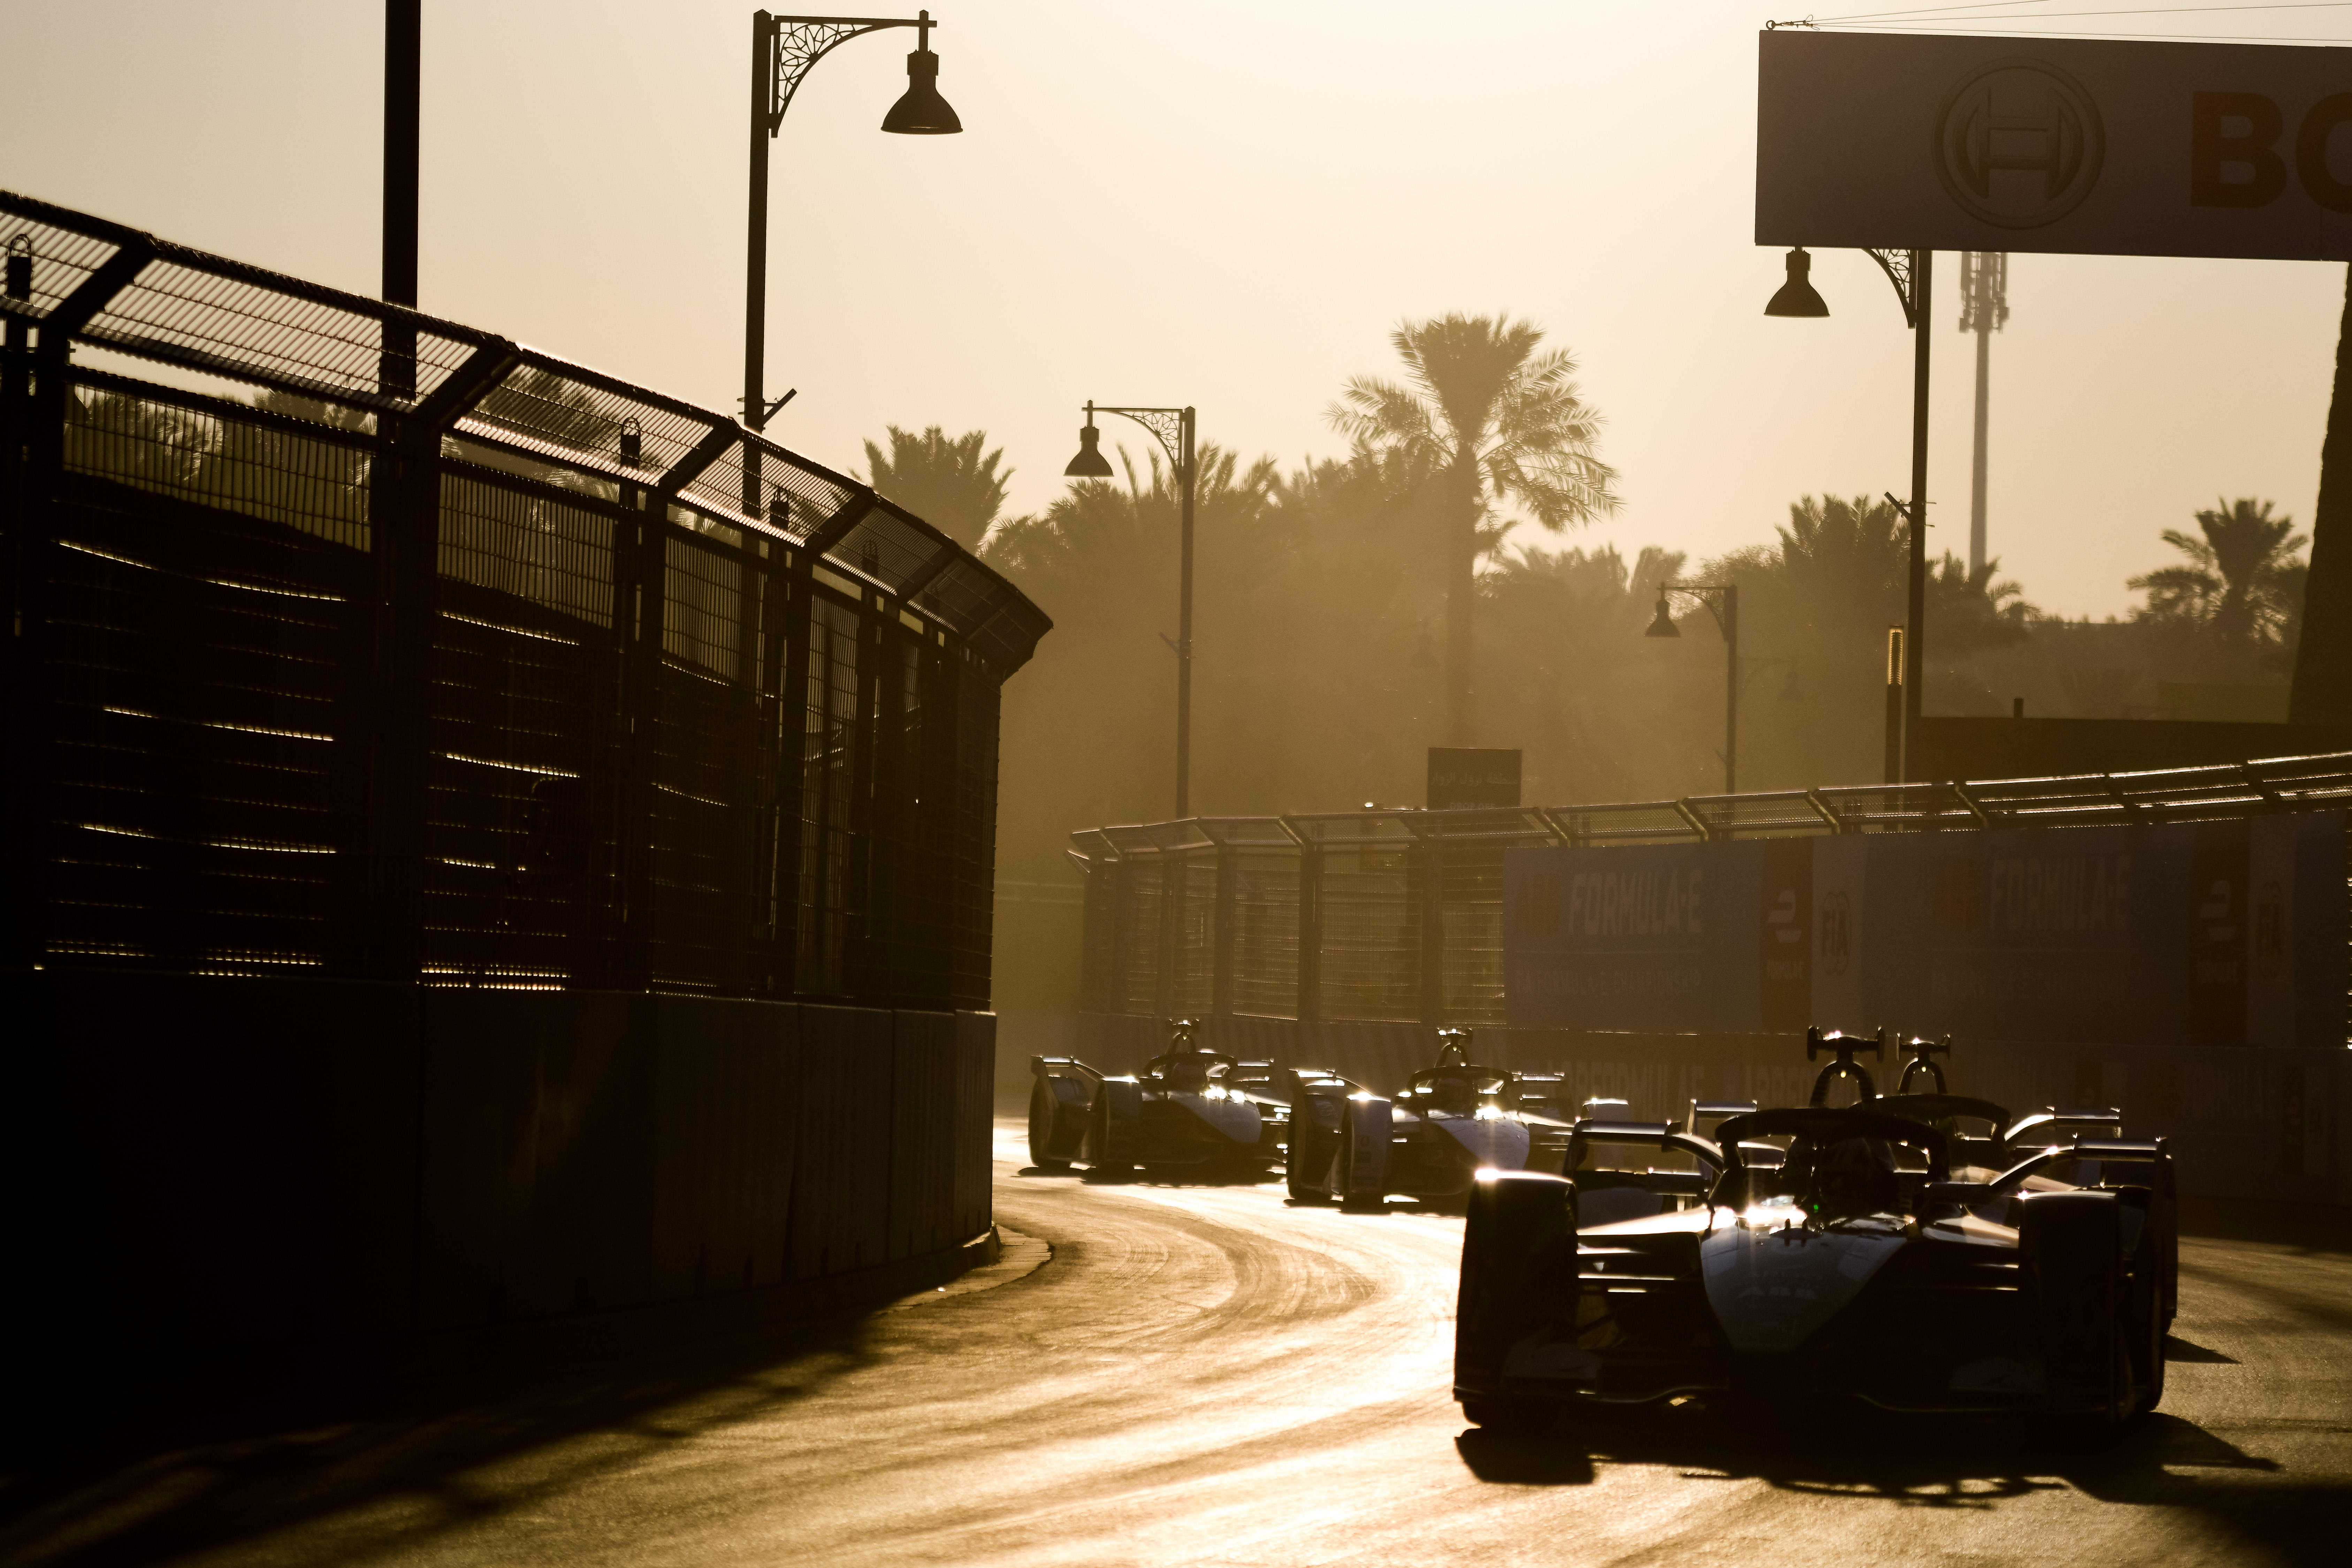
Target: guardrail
1396, 915
375, 645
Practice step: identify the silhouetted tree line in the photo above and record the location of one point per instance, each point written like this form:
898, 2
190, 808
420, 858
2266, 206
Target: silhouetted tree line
1328, 596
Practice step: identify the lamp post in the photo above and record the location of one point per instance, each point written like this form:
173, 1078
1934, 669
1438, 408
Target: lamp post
403, 25
783, 49
1913, 274
1722, 602
1172, 427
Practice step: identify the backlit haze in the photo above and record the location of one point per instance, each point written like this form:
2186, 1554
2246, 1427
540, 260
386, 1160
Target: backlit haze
1222, 204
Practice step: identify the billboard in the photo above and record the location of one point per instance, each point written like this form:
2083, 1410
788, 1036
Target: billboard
1912, 141
2193, 934
1471, 776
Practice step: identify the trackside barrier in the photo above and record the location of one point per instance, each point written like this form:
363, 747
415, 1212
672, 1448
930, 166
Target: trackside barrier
196, 1175
1393, 915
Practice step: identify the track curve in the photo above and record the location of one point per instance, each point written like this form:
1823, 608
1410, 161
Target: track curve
1215, 1375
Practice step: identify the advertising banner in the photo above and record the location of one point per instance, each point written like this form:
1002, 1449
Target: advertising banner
2194, 934
2101, 147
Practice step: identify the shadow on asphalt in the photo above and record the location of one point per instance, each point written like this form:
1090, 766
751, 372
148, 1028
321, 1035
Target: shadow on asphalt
2158, 1460
151, 1476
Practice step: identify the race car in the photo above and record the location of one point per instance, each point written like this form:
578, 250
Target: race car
1858, 1270
1189, 1109
1985, 1140
1449, 1122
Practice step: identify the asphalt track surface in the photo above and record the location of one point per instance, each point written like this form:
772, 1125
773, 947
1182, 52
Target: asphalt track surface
1209, 1374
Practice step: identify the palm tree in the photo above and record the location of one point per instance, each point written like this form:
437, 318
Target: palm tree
945, 480
2242, 578
1502, 424
1969, 611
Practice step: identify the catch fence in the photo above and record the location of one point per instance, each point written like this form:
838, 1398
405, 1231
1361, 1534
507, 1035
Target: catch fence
1396, 916
346, 641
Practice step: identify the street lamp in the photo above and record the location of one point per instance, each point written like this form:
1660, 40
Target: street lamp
1912, 272
1173, 429
783, 48
1722, 602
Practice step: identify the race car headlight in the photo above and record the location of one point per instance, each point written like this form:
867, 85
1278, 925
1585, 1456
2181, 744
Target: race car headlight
1489, 1114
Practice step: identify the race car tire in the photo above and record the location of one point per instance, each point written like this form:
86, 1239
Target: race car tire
2147, 1333
2071, 1244
1309, 1153
1364, 1150
1348, 1196
1111, 1141
1043, 1110
1518, 1222
2164, 1212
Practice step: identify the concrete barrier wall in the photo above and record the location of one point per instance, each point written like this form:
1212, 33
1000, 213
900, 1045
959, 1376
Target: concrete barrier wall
2269, 1123
194, 1163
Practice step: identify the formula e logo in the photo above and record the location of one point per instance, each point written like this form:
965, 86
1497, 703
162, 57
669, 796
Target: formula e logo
1837, 935
2019, 143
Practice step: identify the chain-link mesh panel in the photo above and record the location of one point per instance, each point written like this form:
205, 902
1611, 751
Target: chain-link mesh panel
886, 546
1472, 879
1141, 885
796, 496
195, 663
978, 713
828, 788
702, 621
1193, 873
511, 713
553, 555
1370, 954
1264, 915
262, 469
574, 417
702, 836
262, 328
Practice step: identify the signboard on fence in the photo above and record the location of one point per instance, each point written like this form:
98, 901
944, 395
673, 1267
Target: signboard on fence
2213, 933
1471, 776
2091, 146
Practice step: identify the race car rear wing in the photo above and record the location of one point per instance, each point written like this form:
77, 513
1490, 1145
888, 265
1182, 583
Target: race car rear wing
1664, 1136
2046, 1125
2154, 1152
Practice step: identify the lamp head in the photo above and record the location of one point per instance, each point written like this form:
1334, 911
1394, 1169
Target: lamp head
1090, 464
1797, 297
920, 111
1664, 625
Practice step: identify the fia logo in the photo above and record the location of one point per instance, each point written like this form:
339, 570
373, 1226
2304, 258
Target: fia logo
1837, 937
2019, 143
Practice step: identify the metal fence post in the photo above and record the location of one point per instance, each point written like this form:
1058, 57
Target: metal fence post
1309, 1003
635, 828
1429, 858
1224, 932
1172, 868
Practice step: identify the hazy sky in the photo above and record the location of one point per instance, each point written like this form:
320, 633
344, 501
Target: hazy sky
1220, 203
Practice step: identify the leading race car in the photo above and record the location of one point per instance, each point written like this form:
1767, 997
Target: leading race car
1449, 1122
1191, 1109
1858, 1270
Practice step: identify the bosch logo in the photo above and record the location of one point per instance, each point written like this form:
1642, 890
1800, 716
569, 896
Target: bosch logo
2019, 143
